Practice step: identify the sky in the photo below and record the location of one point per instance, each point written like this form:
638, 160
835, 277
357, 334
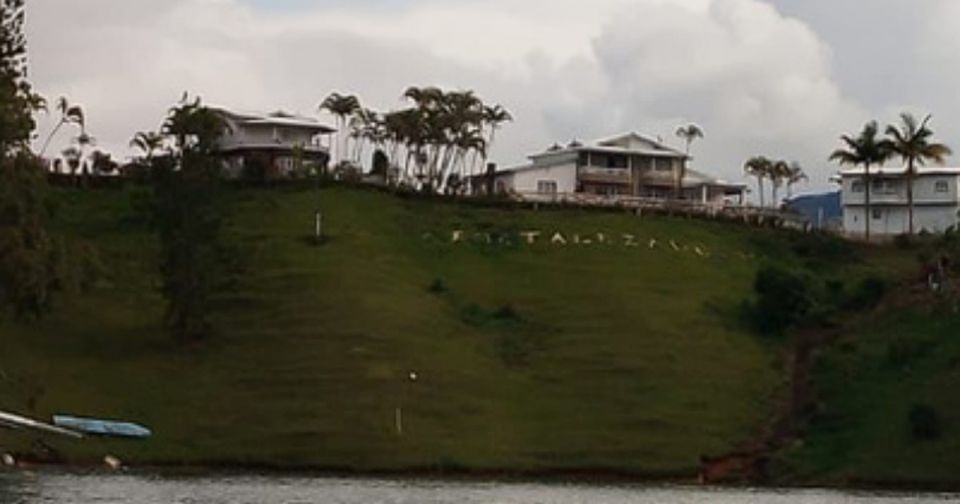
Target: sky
781, 78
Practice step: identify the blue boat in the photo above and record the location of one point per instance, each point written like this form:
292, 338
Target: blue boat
106, 428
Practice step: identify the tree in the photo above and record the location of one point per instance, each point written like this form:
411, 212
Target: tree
102, 163
759, 167
866, 150
911, 141
343, 107
188, 212
689, 134
69, 114
149, 143
34, 263
795, 175
779, 171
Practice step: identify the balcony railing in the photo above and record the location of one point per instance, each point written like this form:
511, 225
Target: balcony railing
596, 173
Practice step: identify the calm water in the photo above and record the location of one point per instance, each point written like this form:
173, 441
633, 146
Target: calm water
26, 488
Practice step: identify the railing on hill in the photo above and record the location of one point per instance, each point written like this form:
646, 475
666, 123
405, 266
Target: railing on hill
691, 208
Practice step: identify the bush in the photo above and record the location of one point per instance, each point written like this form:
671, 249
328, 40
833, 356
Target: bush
903, 241
925, 423
869, 293
438, 287
783, 300
902, 351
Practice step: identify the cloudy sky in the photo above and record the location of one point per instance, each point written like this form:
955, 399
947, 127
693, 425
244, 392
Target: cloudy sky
781, 78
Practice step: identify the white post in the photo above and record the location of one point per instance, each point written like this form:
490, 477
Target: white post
318, 226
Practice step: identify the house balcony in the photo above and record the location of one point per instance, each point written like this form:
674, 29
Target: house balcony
600, 175
897, 198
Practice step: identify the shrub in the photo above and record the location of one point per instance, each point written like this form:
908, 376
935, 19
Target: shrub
783, 300
869, 293
438, 287
925, 423
506, 312
903, 241
903, 351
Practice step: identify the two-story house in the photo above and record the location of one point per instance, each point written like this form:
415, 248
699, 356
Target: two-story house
936, 198
629, 165
272, 145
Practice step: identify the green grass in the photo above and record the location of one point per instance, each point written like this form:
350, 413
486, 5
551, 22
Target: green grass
868, 384
530, 357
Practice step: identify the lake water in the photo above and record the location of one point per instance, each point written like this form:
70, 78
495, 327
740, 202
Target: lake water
37, 488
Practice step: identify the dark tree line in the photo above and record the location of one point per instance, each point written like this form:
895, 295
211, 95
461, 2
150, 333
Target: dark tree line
35, 264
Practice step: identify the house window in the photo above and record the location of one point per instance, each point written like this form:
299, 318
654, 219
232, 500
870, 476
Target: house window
857, 186
547, 187
943, 186
877, 214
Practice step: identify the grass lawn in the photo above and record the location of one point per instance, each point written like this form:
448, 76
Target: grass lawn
536, 356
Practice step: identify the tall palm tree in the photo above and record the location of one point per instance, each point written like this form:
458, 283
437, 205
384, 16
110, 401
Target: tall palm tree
689, 134
759, 167
494, 117
911, 141
69, 114
795, 175
779, 172
864, 150
343, 107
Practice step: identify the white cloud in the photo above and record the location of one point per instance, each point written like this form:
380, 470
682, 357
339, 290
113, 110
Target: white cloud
758, 81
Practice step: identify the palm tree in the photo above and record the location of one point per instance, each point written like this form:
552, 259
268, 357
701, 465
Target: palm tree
795, 175
148, 143
911, 141
194, 126
779, 172
760, 167
494, 116
68, 114
343, 107
867, 150
689, 134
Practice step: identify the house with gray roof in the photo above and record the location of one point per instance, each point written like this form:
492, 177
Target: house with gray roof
272, 145
625, 166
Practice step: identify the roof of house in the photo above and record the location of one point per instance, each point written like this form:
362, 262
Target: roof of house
901, 170
278, 118
627, 143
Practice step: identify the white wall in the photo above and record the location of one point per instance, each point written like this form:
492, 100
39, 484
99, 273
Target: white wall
565, 175
240, 135
894, 220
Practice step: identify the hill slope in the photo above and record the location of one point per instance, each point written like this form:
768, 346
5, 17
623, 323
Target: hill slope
543, 356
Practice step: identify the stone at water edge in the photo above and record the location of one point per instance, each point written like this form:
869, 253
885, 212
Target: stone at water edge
113, 462
8, 460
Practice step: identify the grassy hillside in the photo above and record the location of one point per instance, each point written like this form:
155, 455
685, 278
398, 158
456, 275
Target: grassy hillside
869, 383
542, 356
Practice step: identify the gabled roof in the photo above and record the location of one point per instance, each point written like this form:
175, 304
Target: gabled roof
275, 119
634, 140
628, 143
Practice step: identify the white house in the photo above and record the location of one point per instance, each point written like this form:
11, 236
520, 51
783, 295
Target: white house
271, 145
936, 197
629, 165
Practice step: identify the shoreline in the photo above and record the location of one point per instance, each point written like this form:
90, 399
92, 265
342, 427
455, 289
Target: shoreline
582, 477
